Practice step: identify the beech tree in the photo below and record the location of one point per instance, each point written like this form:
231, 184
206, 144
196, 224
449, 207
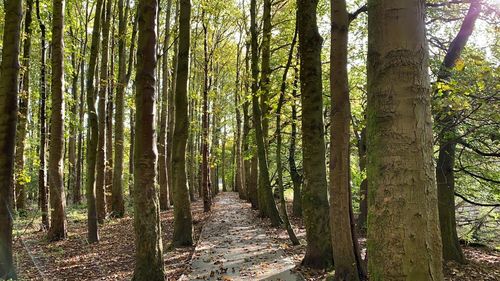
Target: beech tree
403, 225
314, 194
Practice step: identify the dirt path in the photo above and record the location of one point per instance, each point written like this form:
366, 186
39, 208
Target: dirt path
233, 246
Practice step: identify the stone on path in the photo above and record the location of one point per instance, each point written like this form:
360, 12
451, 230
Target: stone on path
233, 246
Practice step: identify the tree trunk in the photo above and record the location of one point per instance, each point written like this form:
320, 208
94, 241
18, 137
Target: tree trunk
403, 226
348, 263
446, 122
93, 131
147, 227
267, 206
73, 125
57, 230
101, 144
183, 223
164, 187
43, 198
279, 166
266, 69
205, 177
363, 189
238, 173
9, 90
294, 174
314, 194
246, 176
24, 98
77, 193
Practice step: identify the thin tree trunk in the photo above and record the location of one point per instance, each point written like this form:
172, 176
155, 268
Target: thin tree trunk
163, 174
314, 194
57, 230
294, 174
446, 122
267, 206
93, 131
279, 166
101, 145
403, 225
43, 198
9, 90
24, 98
239, 173
183, 223
363, 189
348, 263
205, 180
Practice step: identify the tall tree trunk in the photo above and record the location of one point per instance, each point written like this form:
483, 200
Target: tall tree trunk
446, 121
9, 90
183, 223
73, 125
223, 161
348, 263
164, 187
239, 173
314, 194
279, 165
403, 226
77, 192
93, 131
101, 144
248, 180
117, 203
171, 106
294, 174
149, 250
24, 98
57, 228
267, 206
43, 198
205, 177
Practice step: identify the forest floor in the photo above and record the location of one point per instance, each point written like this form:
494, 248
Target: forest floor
113, 257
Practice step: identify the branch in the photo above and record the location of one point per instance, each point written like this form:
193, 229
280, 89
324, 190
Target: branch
352, 16
475, 203
476, 150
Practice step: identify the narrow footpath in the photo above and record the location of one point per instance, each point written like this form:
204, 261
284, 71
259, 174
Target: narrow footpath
233, 246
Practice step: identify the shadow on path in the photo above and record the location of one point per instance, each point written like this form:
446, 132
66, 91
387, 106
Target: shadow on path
233, 246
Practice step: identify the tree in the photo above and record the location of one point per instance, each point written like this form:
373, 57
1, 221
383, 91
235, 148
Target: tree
42, 184
93, 131
183, 222
403, 226
267, 205
205, 170
24, 99
162, 146
294, 173
446, 122
348, 263
9, 90
57, 229
147, 227
314, 194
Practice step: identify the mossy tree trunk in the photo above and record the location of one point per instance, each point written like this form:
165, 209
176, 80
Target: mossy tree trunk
147, 227
403, 227
9, 90
57, 229
314, 193
183, 222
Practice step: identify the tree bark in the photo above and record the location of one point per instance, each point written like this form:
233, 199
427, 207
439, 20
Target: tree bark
183, 223
403, 227
147, 227
267, 206
57, 230
314, 194
348, 263
205, 176
164, 187
93, 131
101, 144
294, 173
24, 97
9, 90
446, 123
